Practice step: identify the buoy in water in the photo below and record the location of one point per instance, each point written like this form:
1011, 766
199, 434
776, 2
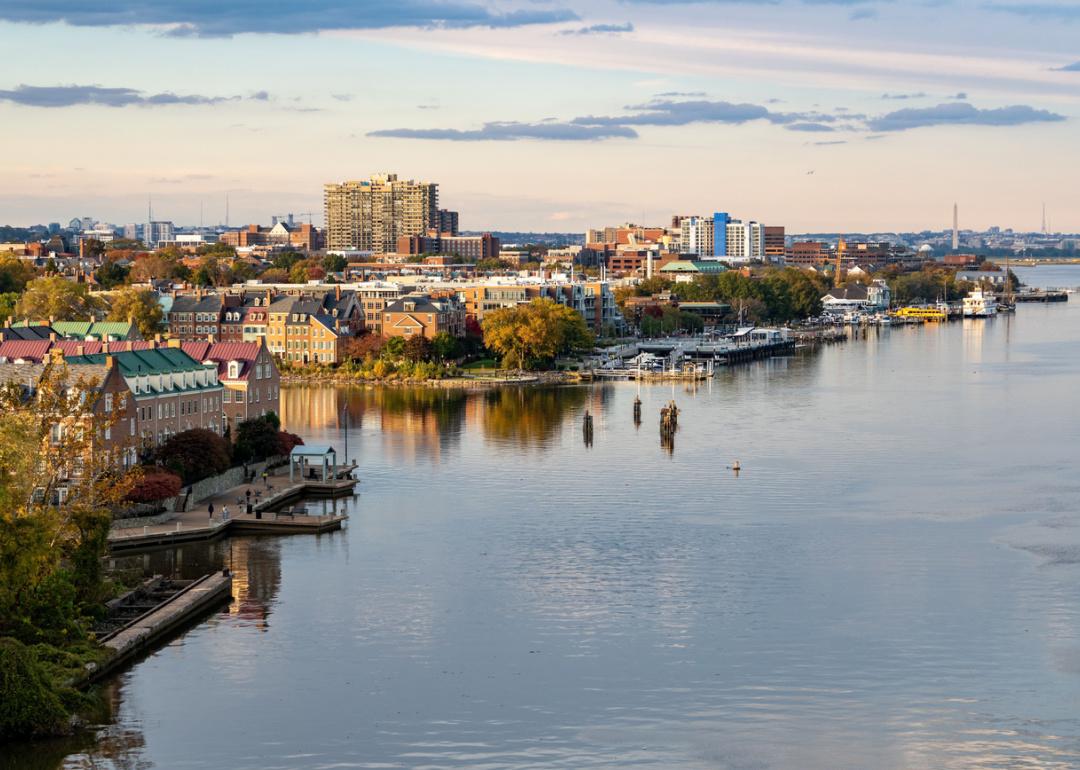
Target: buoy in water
736, 467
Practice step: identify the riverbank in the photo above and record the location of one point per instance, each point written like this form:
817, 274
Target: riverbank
495, 378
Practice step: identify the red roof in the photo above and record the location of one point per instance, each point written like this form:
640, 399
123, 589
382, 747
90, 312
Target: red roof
34, 351
224, 352
93, 347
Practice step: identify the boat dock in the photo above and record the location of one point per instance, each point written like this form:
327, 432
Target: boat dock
1041, 295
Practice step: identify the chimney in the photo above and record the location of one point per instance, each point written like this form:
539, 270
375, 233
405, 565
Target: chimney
337, 291
56, 355
110, 362
173, 342
105, 346
157, 340
210, 338
80, 349
52, 336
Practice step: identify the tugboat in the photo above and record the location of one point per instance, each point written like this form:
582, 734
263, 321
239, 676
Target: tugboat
980, 304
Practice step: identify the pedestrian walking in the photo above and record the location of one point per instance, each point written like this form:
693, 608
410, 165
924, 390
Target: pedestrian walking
210, 508
267, 483
224, 513
247, 494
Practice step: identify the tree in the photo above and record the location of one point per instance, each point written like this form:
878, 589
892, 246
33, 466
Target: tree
299, 273
274, 275
418, 348
159, 265
358, 348
156, 484
394, 348
14, 274
534, 334
111, 274
334, 263
141, 307
213, 271
286, 259
194, 454
222, 250
7, 305
58, 298
445, 346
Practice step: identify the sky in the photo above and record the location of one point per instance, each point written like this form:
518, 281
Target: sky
544, 115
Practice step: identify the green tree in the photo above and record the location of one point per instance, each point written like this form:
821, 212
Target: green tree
299, 273
286, 259
111, 274
57, 297
14, 274
141, 307
334, 263
534, 334
256, 439
394, 349
445, 346
8, 302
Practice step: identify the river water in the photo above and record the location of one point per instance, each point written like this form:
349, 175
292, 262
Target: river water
892, 581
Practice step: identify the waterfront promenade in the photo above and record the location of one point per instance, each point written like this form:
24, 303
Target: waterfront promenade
270, 513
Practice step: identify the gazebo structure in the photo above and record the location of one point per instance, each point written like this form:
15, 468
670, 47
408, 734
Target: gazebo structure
309, 455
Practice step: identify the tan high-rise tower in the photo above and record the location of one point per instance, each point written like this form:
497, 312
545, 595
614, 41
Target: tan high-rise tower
371, 215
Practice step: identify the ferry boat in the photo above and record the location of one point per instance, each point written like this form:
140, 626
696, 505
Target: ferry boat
979, 304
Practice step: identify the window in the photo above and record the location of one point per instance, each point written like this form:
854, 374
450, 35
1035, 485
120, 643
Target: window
226, 396
108, 402
132, 423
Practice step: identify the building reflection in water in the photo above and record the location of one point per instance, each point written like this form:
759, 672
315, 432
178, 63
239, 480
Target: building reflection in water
533, 416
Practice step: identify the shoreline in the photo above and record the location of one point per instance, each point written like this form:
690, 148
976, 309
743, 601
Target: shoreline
336, 378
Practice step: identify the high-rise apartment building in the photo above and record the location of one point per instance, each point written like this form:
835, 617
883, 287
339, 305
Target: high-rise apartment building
159, 233
698, 236
447, 222
371, 215
745, 241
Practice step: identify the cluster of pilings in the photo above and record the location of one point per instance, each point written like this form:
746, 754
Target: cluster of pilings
669, 423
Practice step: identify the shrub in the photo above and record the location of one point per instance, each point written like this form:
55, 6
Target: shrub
30, 706
194, 454
156, 484
286, 442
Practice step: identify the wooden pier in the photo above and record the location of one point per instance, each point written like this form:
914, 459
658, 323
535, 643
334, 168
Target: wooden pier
144, 632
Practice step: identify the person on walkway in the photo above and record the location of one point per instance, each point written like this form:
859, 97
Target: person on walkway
224, 513
265, 480
210, 508
247, 495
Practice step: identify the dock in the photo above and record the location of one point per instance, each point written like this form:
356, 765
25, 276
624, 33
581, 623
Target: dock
145, 631
270, 514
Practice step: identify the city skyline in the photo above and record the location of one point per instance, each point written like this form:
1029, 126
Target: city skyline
821, 116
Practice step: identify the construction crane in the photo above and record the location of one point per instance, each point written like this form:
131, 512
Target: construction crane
308, 214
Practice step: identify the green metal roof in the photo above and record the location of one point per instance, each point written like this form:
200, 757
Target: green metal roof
696, 266
156, 361
121, 330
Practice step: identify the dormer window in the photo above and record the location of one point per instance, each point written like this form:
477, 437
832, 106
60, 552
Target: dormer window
234, 370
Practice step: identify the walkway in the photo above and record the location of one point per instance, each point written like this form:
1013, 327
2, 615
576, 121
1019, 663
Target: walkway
198, 524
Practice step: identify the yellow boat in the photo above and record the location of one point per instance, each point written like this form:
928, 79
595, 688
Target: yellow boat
921, 313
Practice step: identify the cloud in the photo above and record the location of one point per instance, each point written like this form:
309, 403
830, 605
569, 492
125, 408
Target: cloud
1074, 67
225, 19
962, 96
809, 127
600, 29
665, 112
961, 114
830, 143
513, 131
863, 14
919, 95
1038, 11
342, 97
71, 96
681, 95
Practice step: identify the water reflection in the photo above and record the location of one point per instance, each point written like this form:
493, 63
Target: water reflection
875, 591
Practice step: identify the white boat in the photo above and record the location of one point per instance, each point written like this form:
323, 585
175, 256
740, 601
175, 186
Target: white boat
979, 304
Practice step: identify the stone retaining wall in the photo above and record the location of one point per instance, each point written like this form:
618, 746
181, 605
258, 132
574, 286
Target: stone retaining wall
135, 522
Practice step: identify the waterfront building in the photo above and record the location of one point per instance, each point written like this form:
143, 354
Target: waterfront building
421, 315
371, 215
686, 271
248, 373
171, 391
872, 297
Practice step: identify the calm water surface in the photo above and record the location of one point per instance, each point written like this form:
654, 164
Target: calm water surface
893, 581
